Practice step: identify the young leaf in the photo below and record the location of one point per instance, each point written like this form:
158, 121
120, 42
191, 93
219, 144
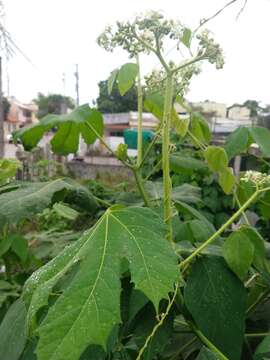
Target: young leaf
181, 126
261, 137
126, 77
8, 169
68, 127
20, 246
216, 158
12, 332
91, 302
200, 129
122, 151
238, 252
112, 80
237, 142
226, 180
65, 211
186, 38
5, 244
216, 299
257, 241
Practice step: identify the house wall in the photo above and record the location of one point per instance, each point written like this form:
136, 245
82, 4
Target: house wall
219, 109
239, 113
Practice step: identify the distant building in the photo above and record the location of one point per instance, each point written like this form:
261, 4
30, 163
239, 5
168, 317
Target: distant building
211, 108
238, 112
114, 126
19, 115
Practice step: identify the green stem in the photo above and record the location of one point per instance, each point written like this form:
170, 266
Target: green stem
189, 62
260, 299
207, 342
102, 202
141, 187
167, 185
257, 334
239, 205
155, 168
184, 263
149, 148
157, 326
140, 109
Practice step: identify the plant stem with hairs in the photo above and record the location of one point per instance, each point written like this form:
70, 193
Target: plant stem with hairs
140, 110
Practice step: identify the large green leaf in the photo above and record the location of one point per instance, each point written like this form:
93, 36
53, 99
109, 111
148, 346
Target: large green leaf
216, 299
126, 77
185, 164
189, 210
261, 137
238, 252
88, 309
154, 103
12, 332
237, 142
8, 169
186, 193
82, 121
216, 158
33, 198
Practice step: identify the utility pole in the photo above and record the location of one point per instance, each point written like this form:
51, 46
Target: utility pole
77, 85
2, 138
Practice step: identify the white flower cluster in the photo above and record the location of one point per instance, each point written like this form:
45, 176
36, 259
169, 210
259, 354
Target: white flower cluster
256, 177
148, 32
209, 49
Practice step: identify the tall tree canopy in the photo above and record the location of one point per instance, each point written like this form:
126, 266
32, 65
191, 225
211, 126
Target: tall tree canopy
115, 103
53, 104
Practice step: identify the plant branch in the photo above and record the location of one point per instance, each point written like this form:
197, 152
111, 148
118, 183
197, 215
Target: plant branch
239, 205
184, 263
207, 342
158, 325
242, 9
102, 202
140, 109
167, 185
106, 145
188, 62
153, 170
149, 148
204, 21
141, 187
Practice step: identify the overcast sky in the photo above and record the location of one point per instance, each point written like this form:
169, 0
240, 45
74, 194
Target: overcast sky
57, 34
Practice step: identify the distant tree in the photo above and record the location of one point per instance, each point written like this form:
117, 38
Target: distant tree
53, 104
254, 107
115, 103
